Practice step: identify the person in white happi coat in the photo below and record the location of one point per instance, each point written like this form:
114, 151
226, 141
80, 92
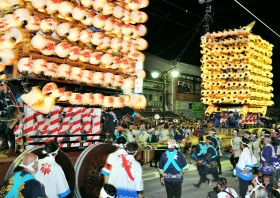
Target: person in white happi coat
113, 157
235, 148
126, 174
50, 173
244, 167
131, 133
257, 182
142, 134
162, 133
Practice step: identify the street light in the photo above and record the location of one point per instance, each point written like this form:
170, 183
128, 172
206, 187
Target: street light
164, 74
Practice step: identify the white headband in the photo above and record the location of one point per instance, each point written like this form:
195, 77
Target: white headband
244, 143
172, 144
103, 194
256, 179
45, 152
29, 166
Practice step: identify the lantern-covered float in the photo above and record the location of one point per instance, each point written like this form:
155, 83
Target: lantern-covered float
236, 77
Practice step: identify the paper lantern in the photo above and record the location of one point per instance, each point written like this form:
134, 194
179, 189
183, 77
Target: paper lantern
98, 78
79, 13
63, 71
65, 10
39, 66
98, 99
49, 48
33, 96
95, 58
66, 96
62, 49
33, 24
85, 55
51, 69
87, 99
49, 88
74, 53
74, 34
86, 36
108, 101
75, 99
24, 65
76, 73
21, 16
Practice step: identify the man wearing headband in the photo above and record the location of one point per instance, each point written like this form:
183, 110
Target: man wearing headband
23, 183
113, 118
268, 156
235, 148
108, 191
222, 190
217, 145
114, 157
210, 162
244, 166
50, 170
126, 174
199, 154
171, 166
257, 182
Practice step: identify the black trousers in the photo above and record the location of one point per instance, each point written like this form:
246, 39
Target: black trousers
243, 187
203, 172
173, 189
219, 164
109, 125
233, 160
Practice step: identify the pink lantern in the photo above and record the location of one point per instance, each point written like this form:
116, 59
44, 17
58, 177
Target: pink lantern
63, 71
88, 18
86, 76
107, 8
85, 55
118, 102
33, 24
99, 21
65, 10
21, 16
76, 74
49, 49
98, 99
7, 57
98, 78
52, 6
74, 53
108, 78
108, 101
116, 63
127, 29
51, 69
129, 83
87, 3
39, 42
118, 81
62, 49
118, 12
107, 59
79, 13
66, 96
25, 65
106, 41
48, 25
97, 38
86, 36
75, 99
57, 93
74, 34
38, 4
39, 66
95, 58
109, 24
117, 28
87, 99
62, 29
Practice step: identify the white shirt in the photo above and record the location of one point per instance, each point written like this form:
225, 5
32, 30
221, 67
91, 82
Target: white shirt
226, 195
119, 177
246, 159
235, 143
51, 175
111, 159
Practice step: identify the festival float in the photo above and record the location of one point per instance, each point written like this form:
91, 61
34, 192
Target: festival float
236, 75
73, 58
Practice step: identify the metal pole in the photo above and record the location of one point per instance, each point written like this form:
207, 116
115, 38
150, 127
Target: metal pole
164, 91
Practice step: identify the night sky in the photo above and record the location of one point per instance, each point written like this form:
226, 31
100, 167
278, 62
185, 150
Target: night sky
175, 27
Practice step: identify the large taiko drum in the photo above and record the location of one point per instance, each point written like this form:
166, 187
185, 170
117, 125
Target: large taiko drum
89, 179
62, 159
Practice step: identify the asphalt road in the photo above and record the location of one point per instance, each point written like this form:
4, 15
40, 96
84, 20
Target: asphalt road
153, 188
